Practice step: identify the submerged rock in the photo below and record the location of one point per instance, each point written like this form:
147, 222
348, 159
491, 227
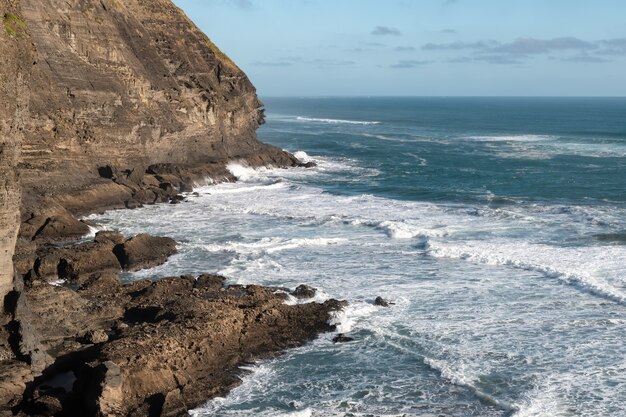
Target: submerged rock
342, 338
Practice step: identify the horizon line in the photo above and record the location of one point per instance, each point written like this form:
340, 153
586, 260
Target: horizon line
430, 96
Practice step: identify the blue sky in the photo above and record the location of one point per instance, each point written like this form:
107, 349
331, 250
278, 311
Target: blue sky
422, 47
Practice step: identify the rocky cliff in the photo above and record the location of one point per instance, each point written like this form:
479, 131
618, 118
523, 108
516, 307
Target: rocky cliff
110, 104
15, 65
129, 83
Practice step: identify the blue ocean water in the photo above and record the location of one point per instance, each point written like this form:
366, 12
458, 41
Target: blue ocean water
497, 226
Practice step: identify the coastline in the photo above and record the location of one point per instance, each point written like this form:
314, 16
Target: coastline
195, 331
104, 110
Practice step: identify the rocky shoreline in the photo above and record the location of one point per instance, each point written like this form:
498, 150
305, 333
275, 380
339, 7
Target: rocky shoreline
113, 105
95, 346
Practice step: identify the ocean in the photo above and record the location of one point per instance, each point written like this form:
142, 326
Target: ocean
496, 226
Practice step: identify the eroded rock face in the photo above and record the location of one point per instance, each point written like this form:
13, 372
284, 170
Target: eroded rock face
15, 66
129, 84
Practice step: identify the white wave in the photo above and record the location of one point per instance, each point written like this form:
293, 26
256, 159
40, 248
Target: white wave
243, 172
421, 161
346, 319
589, 269
512, 138
461, 378
336, 121
542, 402
272, 244
303, 156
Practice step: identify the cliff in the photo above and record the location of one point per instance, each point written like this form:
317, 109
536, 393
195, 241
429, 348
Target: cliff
109, 104
15, 66
129, 83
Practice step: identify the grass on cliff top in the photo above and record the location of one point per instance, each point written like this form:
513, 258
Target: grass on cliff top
12, 23
217, 51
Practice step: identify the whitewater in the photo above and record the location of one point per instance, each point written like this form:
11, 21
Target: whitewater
501, 244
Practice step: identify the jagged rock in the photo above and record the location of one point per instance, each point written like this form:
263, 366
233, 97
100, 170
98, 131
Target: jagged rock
304, 291
144, 251
381, 302
178, 339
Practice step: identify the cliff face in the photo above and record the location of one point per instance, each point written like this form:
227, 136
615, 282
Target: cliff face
14, 74
128, 83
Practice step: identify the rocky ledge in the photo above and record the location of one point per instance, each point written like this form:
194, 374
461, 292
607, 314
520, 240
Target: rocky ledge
98, 347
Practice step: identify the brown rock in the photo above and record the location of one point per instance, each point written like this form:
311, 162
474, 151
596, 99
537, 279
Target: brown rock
211, 282
109, 236
144, 251
304, 291
96, 336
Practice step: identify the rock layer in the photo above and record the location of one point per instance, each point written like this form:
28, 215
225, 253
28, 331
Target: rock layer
129, 83
15, 55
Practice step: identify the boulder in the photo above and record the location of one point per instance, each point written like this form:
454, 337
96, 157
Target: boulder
107, 236
381, 302
304, 291
144, 251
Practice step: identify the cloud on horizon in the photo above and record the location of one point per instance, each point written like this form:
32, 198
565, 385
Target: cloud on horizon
385, 31
408, 63
571, 49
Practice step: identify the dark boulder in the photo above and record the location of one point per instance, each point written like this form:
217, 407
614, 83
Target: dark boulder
304, 291
342, 338
381, 302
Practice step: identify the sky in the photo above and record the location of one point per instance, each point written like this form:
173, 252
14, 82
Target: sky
422, 47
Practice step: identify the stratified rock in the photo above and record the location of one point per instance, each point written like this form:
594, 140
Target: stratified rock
16, 53
304, 291
144, 251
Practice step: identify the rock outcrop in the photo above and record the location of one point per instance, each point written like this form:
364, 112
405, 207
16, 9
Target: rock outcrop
155, 348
